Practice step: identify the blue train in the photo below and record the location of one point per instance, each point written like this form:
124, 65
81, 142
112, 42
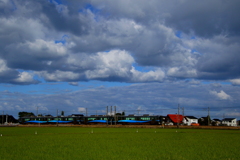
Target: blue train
79, 119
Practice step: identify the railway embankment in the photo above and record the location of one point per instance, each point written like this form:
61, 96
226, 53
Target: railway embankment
133, 126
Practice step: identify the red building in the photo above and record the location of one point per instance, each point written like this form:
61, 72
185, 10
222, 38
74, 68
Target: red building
175, 118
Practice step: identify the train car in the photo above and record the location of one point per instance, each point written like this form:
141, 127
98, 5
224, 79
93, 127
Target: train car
93, 119
72, 119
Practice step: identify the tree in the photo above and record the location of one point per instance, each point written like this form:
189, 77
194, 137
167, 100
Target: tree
204, 121
25, 114
62, 113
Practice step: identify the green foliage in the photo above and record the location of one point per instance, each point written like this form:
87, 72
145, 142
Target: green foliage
25, 114
117, 143
204, 121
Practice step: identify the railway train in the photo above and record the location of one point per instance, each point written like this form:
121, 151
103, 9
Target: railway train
79, 119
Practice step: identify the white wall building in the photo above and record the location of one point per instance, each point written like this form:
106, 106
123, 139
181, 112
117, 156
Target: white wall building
229, 121
188, 120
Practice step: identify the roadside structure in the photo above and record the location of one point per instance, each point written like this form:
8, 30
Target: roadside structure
216, 122
229, 121
189, 120
174, 119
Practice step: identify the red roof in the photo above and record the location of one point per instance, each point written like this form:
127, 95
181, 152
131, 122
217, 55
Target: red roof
176, 118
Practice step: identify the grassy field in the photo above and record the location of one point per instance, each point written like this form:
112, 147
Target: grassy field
68, 143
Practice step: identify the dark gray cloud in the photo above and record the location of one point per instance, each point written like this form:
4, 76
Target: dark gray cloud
102, 40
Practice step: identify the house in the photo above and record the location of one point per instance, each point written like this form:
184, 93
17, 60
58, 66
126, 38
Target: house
216, 122
188, 120
229, 121
174, 119
204, 121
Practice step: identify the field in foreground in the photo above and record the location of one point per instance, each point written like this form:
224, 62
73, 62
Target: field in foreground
68, 143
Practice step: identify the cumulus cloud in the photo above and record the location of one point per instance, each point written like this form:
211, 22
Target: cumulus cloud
82, 41
221, 95
235, 82
151, 76
25, 78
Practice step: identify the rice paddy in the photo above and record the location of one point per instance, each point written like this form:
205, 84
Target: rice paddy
68, 143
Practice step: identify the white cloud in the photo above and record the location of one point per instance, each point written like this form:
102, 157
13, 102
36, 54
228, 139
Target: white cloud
115, 63
73, 83
59, 75
3, 66
221, 95
42, 49
235, 82
194, 82
182, 72
25, 77
81, 109
151, 76
233, 114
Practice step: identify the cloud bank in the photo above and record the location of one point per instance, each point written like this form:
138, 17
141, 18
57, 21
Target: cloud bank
101, 40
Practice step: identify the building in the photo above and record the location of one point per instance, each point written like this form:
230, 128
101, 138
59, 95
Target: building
229, 121
216, 122
189, 120
174, 119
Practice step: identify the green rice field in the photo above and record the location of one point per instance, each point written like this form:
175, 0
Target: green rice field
69, 143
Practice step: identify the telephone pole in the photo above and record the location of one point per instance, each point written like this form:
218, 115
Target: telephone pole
178, 117
2, 117
115, 115
106, 110
57, 117
6, 118
107, 115
111, 114
208, 116
111, 111
37, 112
183, 111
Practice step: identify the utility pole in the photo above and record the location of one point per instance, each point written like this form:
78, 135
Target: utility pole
183, 111
138, 111
86, 112
107, 116
2, 117
208, 116
57, 117
111, 111
111, 114
106, 110
178, 117
37, 112
115, 115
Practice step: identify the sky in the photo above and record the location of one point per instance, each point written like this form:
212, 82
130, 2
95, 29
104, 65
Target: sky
144, 57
